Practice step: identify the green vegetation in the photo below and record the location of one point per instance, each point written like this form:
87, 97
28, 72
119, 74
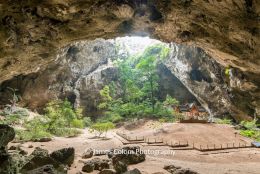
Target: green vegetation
60, 119
138, 81
223, 121
101, 128
250, 130
33, 130
227, 71
11, 113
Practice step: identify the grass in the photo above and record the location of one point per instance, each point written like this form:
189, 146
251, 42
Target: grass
254, 134
223, 121
24, 135
251, 130
67, 132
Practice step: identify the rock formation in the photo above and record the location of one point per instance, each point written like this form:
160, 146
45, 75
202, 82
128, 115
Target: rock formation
7, 134
33, 32
80, 72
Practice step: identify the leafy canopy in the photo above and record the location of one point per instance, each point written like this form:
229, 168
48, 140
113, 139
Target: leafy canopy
138, 81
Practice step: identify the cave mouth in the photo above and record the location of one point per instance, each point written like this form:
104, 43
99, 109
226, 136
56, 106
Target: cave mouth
108, 58
83, 68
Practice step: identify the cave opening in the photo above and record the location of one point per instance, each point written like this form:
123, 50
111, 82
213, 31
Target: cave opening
82, 92
82, 69
96, 64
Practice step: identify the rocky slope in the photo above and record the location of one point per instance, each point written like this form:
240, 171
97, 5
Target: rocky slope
32, 32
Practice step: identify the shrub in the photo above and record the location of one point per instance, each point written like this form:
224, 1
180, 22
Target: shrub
60, 114
111, 117
223, 121
60, 119
11, 120
67, 132
101, 128
26, 135
251, 130
169, 101
247, 133
76, 123
13, 116
249, 124
35, 130
87, 121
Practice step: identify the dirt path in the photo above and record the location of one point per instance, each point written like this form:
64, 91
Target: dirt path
236, 161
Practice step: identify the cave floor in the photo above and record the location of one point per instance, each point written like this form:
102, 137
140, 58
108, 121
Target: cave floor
232, 161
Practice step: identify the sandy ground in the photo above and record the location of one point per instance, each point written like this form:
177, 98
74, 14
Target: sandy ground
233, 161
193, 133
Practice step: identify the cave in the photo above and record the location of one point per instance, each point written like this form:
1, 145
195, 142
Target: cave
85, 61
164, 82
82, 69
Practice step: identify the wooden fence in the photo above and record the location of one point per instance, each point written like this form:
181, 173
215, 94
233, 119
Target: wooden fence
178, 144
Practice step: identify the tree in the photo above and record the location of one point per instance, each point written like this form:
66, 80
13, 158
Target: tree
60, 114
101, 128
138, 79
105, 98
169, 101
147, 66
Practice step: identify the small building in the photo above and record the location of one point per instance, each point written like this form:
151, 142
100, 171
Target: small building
192, 111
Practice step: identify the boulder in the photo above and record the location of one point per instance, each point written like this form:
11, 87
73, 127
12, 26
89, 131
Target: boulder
95, 164
46, 169
178, 170
40, 160
22, 152
39, 152
88, 154
64, 156
134, 171
107, 171
101, 164
88, 167
12, 148
5, 161
120, 167
7, 134
128, 155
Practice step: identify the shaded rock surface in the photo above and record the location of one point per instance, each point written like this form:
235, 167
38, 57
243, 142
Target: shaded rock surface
88, 154
119, 166
40, 160
95, 164
47, 169
127, 155
206, 79
178, 170
134, 171
64, 156
7, 134
120, 159
107, 171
